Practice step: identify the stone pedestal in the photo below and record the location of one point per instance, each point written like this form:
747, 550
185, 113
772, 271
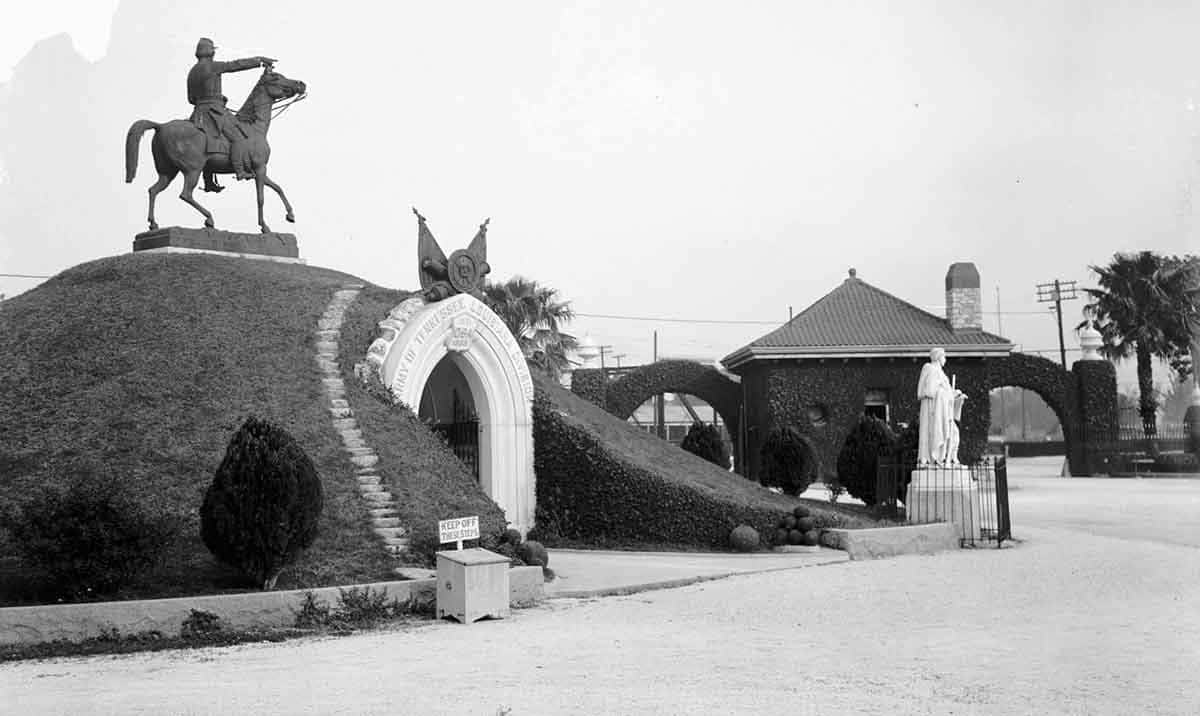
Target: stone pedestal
176, 239
945, 494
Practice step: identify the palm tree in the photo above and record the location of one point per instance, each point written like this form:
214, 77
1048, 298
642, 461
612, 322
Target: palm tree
535, 315
1141, 309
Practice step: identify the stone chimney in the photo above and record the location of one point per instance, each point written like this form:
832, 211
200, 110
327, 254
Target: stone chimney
964, 306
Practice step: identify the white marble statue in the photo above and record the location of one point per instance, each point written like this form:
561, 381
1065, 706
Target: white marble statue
941, 407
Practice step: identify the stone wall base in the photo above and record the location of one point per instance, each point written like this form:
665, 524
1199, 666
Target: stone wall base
892, 541
76, 622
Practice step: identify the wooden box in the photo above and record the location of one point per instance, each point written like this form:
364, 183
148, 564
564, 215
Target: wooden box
472, 584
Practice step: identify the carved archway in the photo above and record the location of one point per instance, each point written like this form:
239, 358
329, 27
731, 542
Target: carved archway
416, 336
679, 376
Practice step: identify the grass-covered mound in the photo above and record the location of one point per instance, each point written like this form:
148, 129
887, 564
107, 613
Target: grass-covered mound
602, 482
427, 480
141, 367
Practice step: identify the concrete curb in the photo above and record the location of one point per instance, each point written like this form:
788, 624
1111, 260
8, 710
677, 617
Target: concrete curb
75, 622
892, 541
674, 583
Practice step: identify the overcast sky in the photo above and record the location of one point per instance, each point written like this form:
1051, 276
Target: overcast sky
649, 159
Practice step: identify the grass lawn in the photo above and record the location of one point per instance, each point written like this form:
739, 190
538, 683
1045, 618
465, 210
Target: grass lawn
142, 367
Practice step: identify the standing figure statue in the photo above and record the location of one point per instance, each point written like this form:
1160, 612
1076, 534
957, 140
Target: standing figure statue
209, 113
941, 406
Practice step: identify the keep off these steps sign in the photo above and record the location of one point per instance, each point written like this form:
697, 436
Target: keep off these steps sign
458, 529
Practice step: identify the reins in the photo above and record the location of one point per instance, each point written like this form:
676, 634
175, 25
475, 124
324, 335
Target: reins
276, 111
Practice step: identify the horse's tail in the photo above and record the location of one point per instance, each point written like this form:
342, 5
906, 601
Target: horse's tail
132, 139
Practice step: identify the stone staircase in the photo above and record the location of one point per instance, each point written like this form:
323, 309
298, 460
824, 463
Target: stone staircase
380, 504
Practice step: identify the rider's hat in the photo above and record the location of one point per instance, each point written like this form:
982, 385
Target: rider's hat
205, 47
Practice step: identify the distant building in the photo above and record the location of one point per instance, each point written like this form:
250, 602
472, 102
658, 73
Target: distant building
859, 350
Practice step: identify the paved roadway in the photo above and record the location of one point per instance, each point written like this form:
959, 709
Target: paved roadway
1160, 509
1088, 614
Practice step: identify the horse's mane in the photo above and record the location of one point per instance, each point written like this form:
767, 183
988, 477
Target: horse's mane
246, 112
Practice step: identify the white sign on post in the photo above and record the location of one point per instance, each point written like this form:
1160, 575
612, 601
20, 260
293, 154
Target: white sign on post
458, 529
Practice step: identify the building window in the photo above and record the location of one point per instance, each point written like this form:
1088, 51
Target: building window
876, 404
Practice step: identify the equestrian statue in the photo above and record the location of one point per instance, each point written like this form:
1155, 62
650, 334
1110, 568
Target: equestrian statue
213, 140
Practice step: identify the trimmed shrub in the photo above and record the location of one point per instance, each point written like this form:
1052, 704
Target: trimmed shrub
262, 508
533, 554
789, 460
744, 538
510, 536
601, 482
858, 462
91, 539
704, 440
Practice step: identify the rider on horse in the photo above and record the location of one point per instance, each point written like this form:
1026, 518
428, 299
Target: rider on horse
210, 114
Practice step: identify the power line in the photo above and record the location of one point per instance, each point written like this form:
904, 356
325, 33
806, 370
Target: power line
22, 275
675, 320
662, 319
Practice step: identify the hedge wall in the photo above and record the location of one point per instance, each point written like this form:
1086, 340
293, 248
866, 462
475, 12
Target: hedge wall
601, 481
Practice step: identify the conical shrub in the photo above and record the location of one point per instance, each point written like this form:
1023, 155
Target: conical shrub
858, 461
789, 460
262, 508
704, 440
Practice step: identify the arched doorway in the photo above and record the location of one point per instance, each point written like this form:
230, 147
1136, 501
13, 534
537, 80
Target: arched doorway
428, 353
448, 407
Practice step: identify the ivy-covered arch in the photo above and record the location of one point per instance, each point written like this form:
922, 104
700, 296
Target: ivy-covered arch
625, 394
1047, 379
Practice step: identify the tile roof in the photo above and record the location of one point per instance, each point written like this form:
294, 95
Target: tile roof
858, 318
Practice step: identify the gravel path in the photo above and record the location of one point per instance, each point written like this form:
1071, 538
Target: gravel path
1065, 623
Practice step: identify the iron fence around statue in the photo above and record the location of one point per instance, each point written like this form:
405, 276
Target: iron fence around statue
974, 497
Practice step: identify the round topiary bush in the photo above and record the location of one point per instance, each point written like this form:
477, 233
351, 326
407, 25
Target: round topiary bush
811, 538
704, 440
795, 537
533, 554
91, 538
789, 460
801, 511
858, 461
511, 536
262, 508
744, 538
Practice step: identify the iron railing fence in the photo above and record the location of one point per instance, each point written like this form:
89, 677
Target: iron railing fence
463, 439
1171, 448
972, 497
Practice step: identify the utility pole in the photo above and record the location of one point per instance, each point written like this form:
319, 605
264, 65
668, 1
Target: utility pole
617, 357
1056, 293
603, 350
1000, 332
660, 408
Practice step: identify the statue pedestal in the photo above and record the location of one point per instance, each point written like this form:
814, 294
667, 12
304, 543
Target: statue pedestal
176, 239
945, 493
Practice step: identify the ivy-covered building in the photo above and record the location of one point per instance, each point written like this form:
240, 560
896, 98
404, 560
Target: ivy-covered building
860, 349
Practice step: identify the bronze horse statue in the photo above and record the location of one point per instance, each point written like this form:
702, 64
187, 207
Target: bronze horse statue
179, 146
